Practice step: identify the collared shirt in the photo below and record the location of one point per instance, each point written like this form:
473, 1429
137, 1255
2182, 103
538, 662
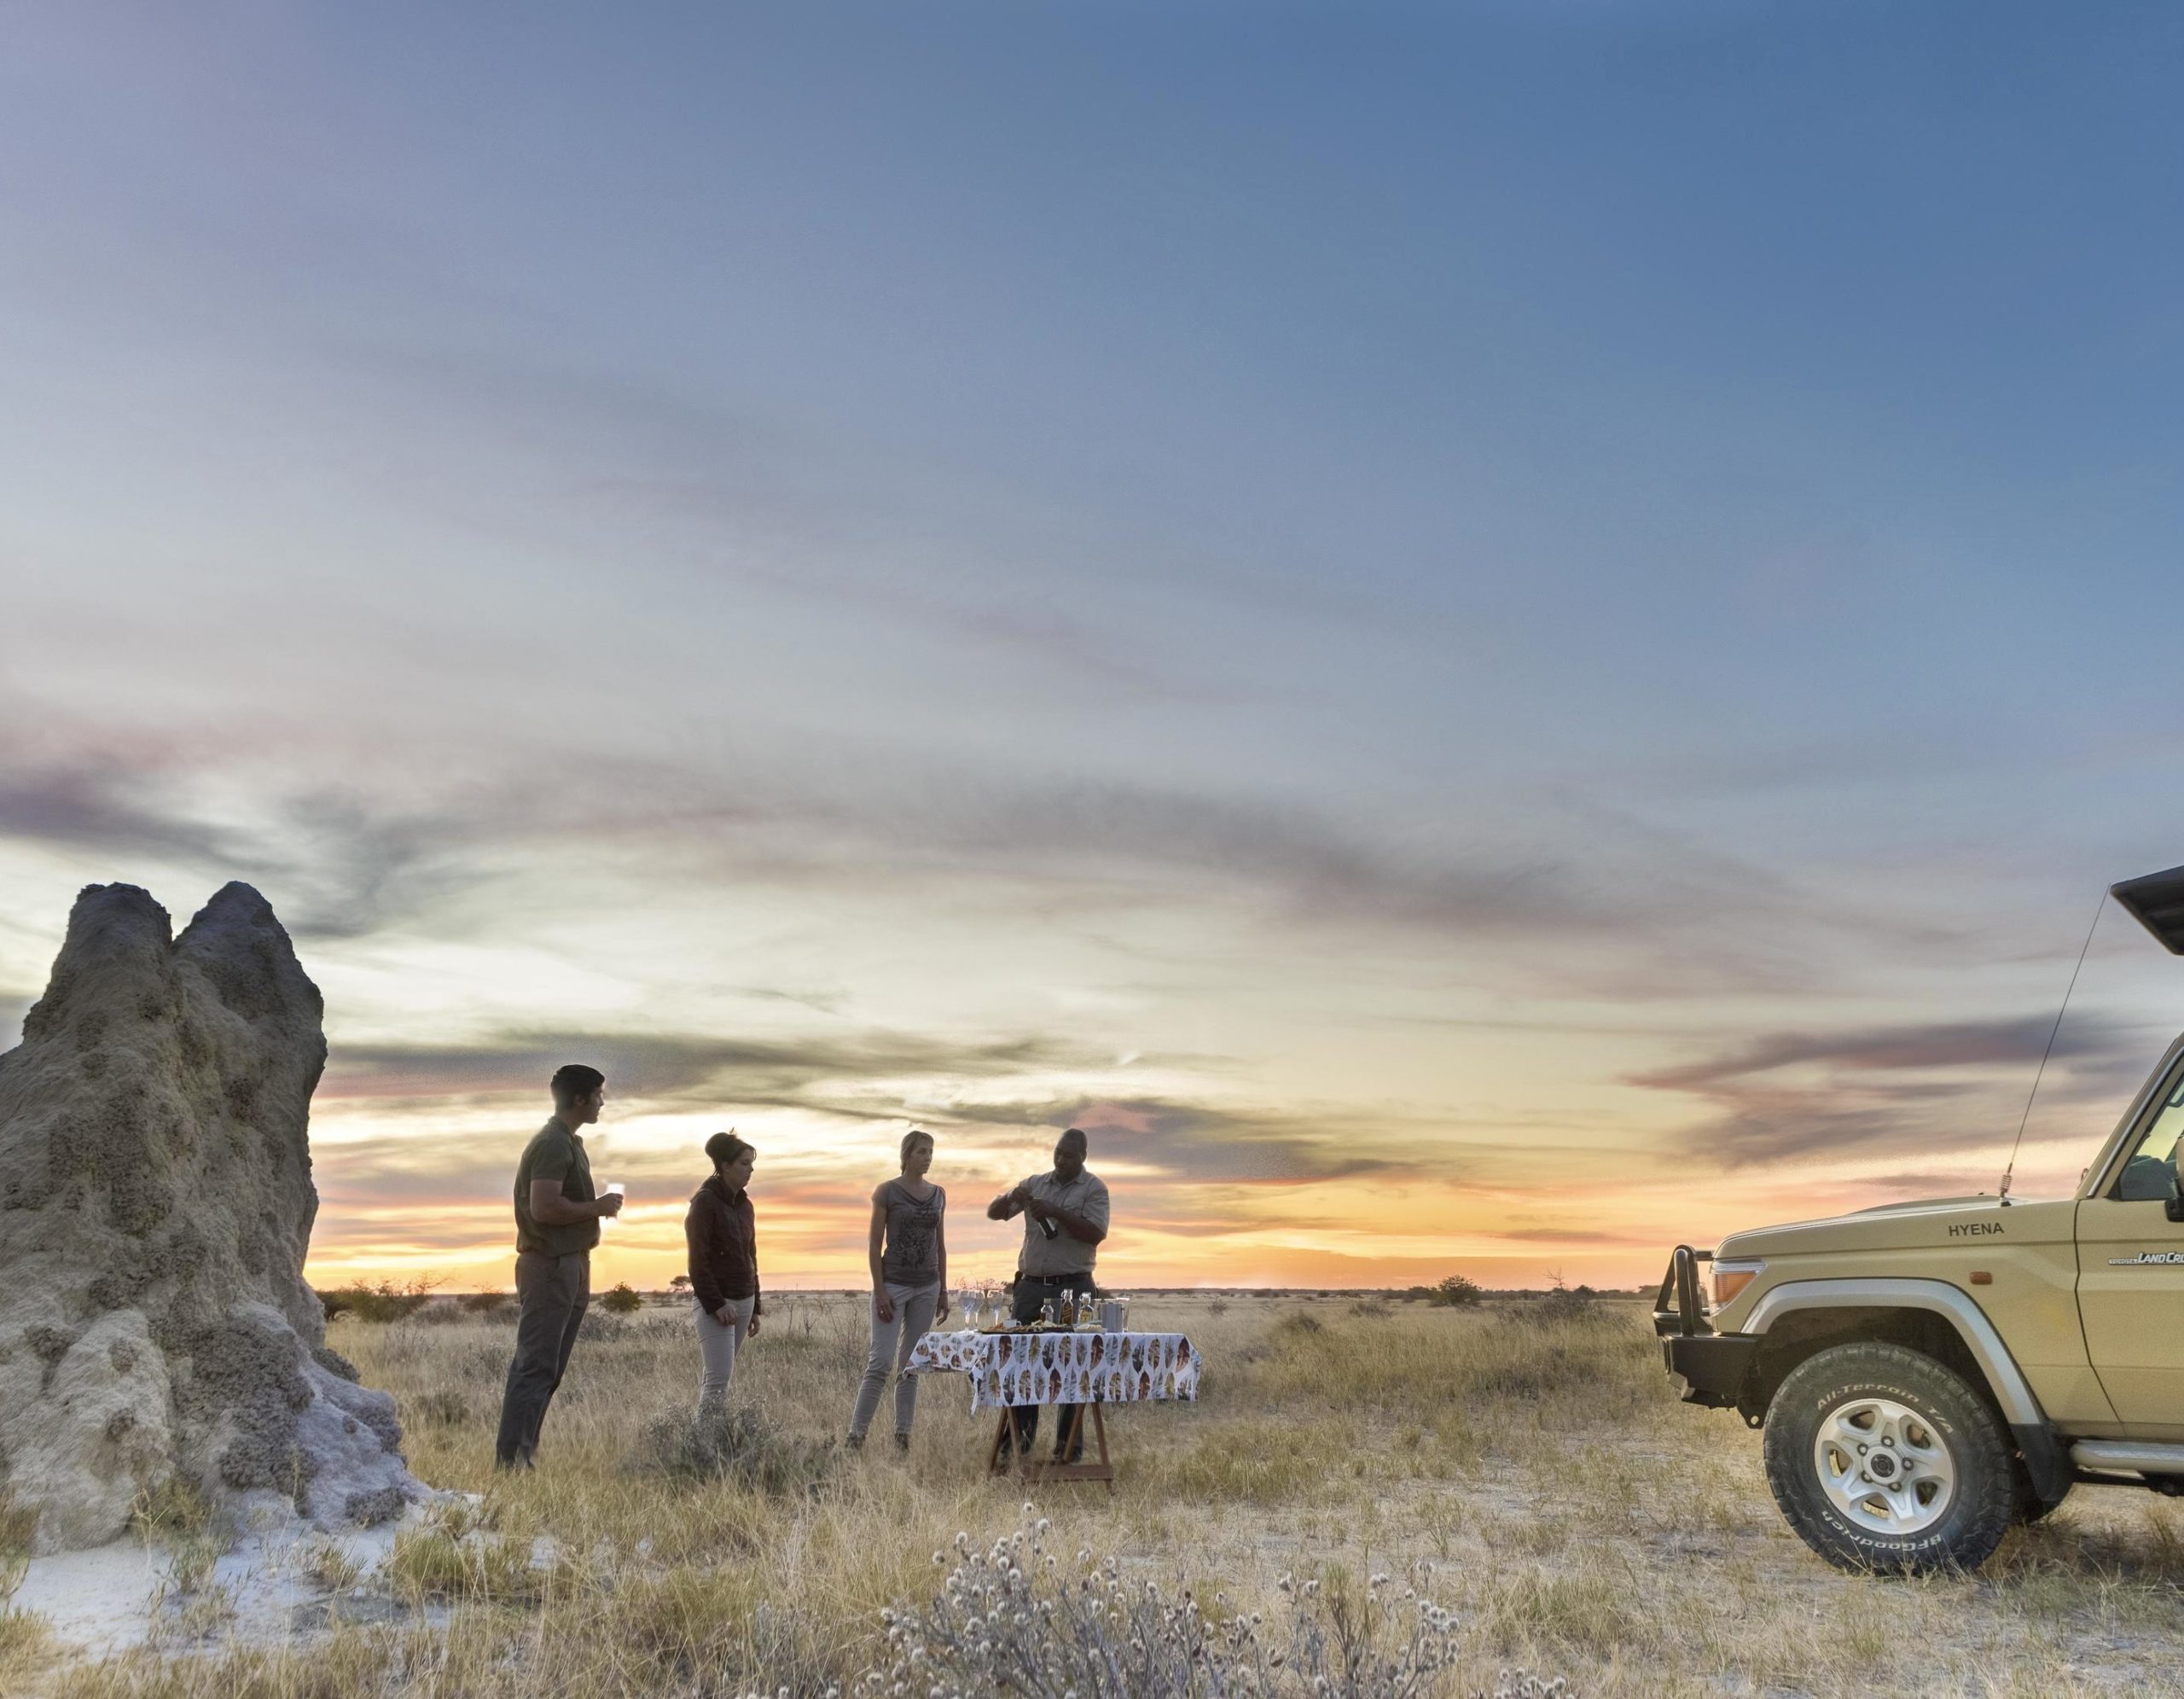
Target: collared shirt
1064, 1254
554, 1153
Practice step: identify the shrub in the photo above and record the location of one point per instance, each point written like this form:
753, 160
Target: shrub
173, 1508
1566, 1303
1456, 1292
482, 1303
435, 1563
598, 1328
441, 1407
382, 1302
622, 1300
1012, 1619
733, 1444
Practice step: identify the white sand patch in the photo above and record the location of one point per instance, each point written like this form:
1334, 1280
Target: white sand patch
112, 1598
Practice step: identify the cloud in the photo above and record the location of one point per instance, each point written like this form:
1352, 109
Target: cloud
347, 851
1208, 1143
659, 1068
101, 805
1916, 1088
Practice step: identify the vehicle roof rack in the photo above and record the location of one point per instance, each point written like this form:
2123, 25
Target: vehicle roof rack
2156, 901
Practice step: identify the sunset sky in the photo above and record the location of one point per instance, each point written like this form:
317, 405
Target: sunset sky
1485, 637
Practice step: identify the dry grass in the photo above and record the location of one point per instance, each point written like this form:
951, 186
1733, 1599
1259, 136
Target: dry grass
1576, 1520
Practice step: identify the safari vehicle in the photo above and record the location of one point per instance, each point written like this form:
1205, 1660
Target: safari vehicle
1928, 1373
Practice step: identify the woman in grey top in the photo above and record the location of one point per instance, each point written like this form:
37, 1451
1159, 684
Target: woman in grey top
909, 1255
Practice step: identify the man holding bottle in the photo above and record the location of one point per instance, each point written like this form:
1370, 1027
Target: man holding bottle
557, 1221
1065, 1214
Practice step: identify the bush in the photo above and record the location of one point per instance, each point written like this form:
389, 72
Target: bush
482, 1303
1011, 1620
735, 1444
1567, 1304
1456, 1292
622, 1300
441, 1407
383, 1302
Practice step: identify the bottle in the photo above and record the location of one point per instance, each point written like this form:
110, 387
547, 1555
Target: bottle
1048, 1226
1068, 1316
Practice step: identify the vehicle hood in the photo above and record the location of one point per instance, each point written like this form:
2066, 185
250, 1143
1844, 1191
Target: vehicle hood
1930, 1221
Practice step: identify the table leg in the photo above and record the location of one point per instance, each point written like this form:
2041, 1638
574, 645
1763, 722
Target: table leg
1026, 1470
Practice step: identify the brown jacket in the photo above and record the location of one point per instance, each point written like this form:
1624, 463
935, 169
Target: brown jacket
723, 1246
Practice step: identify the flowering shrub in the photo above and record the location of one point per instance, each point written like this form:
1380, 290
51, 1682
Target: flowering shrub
1015, 1618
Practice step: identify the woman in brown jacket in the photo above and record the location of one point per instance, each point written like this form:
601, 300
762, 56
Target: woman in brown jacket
724, 1264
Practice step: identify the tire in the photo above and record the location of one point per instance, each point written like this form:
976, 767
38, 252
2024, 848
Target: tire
1885, 1461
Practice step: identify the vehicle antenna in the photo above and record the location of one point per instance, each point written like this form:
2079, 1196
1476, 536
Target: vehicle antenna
2051, 1033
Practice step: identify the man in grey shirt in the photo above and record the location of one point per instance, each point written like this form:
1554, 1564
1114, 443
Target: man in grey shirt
557, 1217
1064, 1218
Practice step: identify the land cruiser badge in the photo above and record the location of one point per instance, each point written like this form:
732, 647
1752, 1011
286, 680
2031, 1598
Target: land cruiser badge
2147, 1258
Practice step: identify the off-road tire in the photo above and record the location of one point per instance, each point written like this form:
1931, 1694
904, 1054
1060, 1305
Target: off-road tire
1982, 1501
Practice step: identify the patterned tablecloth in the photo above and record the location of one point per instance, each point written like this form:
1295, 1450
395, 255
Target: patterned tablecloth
1063, 1368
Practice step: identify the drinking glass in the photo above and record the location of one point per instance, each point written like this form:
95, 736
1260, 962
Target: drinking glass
615, 1188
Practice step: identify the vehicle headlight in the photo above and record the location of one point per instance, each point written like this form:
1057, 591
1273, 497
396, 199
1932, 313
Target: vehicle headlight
1731, 1277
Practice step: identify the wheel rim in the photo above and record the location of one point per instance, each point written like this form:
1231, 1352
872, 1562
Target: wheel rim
1883, 1466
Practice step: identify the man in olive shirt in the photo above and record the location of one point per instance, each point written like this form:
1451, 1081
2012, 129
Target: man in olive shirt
557, 1217
1064, 1218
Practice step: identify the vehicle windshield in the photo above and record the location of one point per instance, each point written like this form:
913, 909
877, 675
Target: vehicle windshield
2149, 1173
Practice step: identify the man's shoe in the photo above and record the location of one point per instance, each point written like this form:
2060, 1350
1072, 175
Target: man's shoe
902, 1442
854, 1443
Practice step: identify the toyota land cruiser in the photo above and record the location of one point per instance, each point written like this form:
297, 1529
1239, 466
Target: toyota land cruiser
1927, 1373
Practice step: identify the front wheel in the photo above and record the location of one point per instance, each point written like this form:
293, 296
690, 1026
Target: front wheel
1884, 1460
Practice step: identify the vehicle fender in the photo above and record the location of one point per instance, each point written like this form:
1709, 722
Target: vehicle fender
2020, 1408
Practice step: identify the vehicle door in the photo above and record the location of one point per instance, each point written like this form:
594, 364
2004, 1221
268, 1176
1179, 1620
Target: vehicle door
2131, 1274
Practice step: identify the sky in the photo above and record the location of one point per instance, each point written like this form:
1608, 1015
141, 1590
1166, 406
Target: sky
1485, 637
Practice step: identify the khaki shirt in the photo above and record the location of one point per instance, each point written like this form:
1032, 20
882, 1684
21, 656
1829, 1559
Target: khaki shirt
554, 1153
1064, 1254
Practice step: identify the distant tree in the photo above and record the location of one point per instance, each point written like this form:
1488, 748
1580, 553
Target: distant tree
1456, 1292
680, 1283
622, 1299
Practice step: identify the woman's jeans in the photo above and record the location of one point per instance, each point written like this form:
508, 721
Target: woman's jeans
892, 1345
717, 1341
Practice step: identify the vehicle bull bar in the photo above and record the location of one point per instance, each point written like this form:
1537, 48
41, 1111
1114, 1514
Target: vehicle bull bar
1680, 1288
1712, 1366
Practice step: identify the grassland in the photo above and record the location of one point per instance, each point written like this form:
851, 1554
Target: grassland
1536, 1478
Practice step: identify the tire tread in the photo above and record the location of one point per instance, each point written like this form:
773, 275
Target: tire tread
1986, 1469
